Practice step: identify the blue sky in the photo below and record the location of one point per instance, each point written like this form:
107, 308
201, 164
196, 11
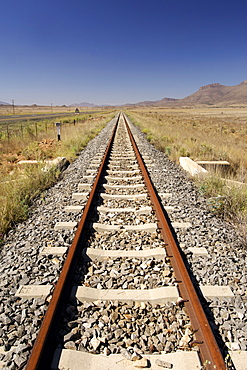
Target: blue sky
118, 51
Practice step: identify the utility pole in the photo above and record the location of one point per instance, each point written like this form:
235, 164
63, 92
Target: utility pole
51, 108
13, 103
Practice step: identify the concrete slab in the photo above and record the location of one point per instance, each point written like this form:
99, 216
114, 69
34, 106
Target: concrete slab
56, 251
101, 254
192, 167
216, 291
88, 177
33, 291
73, 209
128, 187
74, 360
154, 296
110, 172
91, 171
79, 196
117, 158
181, 225
85, 186
222, 166
198, 251
239, 359
117, 178
169, 209
165, 195
138, 211
70, 225
127, 149
124, 196
133, 166
148, 227
116, 163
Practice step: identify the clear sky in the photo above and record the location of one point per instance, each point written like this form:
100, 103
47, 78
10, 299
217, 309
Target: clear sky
118, 51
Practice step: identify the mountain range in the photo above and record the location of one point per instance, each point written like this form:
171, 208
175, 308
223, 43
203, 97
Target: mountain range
212, 94
84, 104
3, 103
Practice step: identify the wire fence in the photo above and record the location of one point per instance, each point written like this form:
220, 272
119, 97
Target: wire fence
33, 129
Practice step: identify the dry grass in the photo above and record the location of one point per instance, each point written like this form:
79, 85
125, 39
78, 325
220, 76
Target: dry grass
34, 109
202, 134
20, 185
205, 134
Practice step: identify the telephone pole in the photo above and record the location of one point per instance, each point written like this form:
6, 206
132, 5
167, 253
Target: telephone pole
13, 103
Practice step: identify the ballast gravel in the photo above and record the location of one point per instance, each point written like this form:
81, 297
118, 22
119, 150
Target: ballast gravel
126, 240
114, 327
126, 273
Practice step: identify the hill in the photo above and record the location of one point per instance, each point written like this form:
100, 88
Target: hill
211, 94
84, 104
3, 103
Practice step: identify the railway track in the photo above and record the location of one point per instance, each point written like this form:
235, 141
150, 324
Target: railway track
129, 305
124, 297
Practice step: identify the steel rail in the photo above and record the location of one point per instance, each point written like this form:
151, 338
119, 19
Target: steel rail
42, 352
209, 352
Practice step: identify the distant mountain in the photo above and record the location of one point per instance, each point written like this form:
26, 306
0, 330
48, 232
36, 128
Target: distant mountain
162, 101
3, 103
84, 104
218, 94
211, 94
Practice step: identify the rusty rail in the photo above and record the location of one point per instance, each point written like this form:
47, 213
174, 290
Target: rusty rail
42, 352
209, 351
43, 349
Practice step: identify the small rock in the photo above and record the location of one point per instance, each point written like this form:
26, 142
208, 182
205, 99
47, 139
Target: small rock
70, 345
135, 356
164, 364
95, 343
142, 363
106, 351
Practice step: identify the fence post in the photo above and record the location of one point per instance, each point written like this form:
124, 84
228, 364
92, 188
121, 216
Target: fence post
58, 126
8, 135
